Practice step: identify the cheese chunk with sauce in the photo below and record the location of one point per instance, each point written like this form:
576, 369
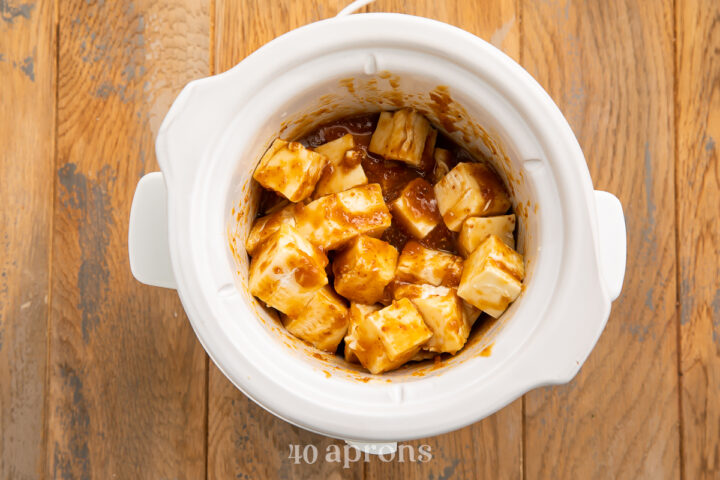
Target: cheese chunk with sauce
265, 226
416, 208
356, 315
476, 229
287, 271
290, 170
364, 268
401, 329
492, 277
443, 312
331, 221
385, 339
343, 170
471, 313
323, 322
443, 160
401, 136
418, 264
470, 189
427, 161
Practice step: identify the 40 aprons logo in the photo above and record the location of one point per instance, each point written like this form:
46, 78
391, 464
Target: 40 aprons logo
310, 454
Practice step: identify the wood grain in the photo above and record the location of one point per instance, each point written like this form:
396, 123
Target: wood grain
491, 448
698, 232
609, 67
101, 377
245, 441
127, 375
27, 107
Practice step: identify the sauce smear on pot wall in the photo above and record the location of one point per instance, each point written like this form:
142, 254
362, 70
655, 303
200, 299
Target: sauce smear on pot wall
384, 209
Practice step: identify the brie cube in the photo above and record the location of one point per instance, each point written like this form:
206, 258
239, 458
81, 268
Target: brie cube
287, 271
418, 264
443, 159
401, 136
343, 170
356, 314
290, 170
492, 277
323, 322
387, 338
443, 312
381, 136
331, 221
401, 329
427, 163
471, 313
365, 346
416, 208
265, 226
468, 190
364, 268
476, 229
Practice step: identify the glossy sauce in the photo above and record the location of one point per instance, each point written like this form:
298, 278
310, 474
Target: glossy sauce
392, 176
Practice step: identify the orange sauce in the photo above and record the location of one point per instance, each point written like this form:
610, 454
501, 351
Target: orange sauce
393, 177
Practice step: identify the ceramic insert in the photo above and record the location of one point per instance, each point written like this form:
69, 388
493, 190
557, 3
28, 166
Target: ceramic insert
444, 110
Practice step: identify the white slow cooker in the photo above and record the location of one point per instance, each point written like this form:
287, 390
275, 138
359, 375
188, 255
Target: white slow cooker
188, 223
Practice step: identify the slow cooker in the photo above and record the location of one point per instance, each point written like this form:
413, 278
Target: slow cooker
189, 222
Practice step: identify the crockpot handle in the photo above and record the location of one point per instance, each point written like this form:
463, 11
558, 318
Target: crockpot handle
148, 233
612, 239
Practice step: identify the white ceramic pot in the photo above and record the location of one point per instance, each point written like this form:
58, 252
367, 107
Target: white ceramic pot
188, 223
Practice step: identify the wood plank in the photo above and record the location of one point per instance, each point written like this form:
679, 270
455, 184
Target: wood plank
697, 200
245, 441
491, 448
27, 133
609, 67
240, 432
127, 375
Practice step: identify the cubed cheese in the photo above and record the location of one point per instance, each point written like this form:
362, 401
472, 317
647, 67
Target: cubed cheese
427, 163
387, 338
356, 314
365, 347
416, 208
364, 268
323, 322
418, 264
381, 136
476, 229
401, 136
290, 170
331, 221
265, 226
287, 270
401, 329
471, 313
470, 189
443, 312
443, 160
492, 277
343, 170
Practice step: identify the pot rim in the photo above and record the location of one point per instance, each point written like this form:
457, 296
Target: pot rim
530, 368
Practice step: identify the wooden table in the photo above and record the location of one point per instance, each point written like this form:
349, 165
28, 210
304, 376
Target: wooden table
101, 377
